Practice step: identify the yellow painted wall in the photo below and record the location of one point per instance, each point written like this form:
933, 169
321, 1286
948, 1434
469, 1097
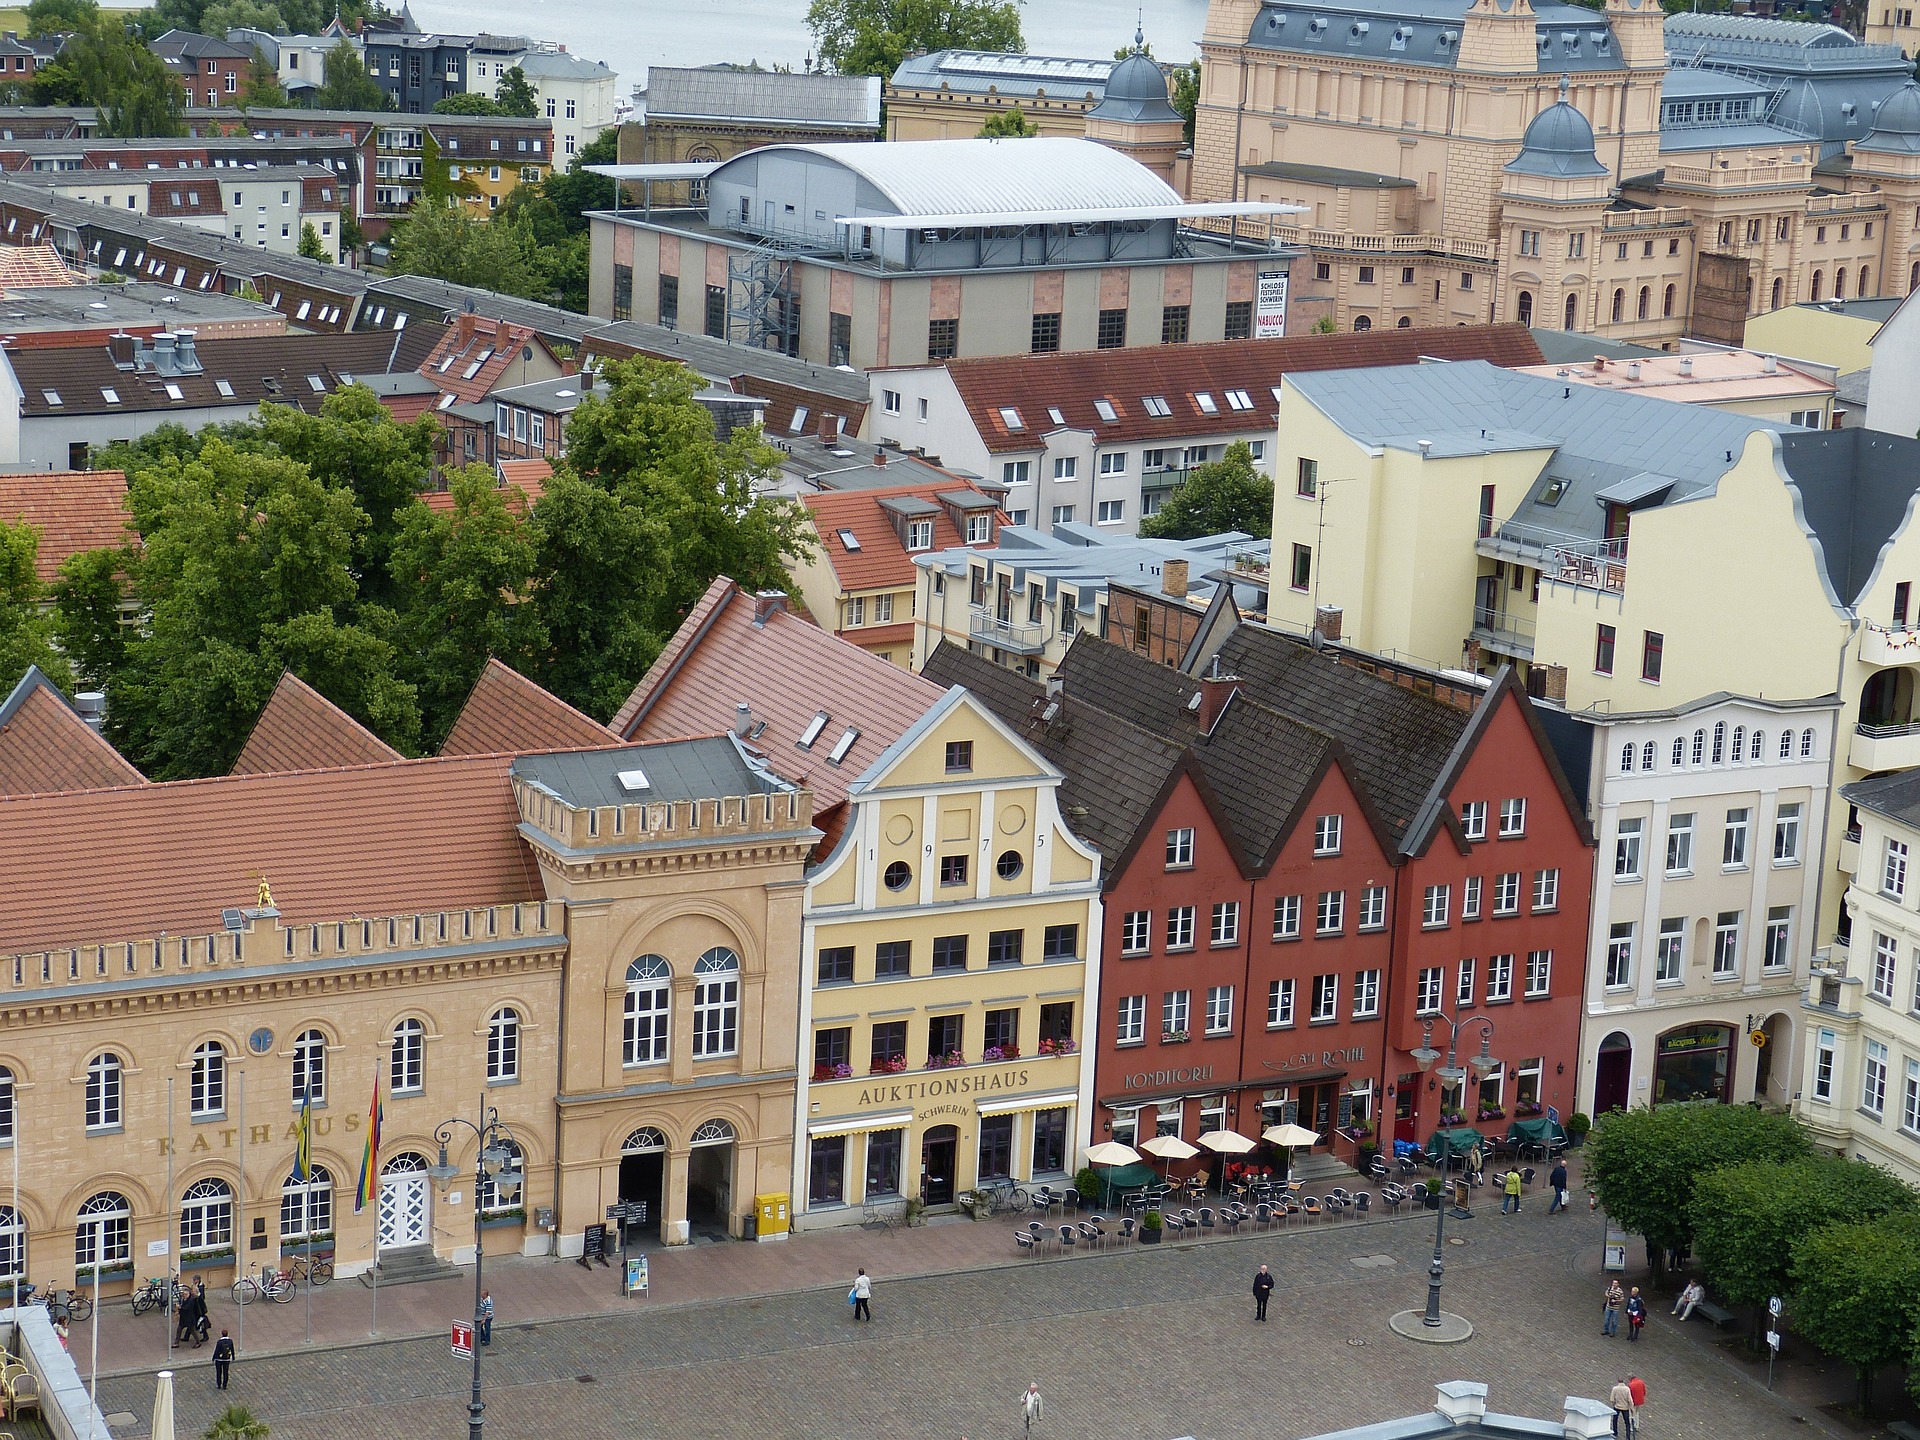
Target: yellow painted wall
1809, 334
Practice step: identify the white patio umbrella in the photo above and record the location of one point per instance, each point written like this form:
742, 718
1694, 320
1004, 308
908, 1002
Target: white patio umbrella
1226, 1142
1169, 1147
1289, 1135
163, 1407
1112, 1152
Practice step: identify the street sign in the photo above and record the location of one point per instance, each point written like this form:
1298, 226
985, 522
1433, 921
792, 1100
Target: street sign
463, 1339
1773, 1339
634, 1211
1773, 1306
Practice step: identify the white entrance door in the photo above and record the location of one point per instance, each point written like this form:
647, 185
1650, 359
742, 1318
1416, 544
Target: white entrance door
403, 1210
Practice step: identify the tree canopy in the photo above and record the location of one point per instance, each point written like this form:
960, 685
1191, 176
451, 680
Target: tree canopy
261, 89
1008, 124
26, 631
1856, 1292
106, 63
552, 215
514, 94
347, 85
444, 240
1221, 495
872, 37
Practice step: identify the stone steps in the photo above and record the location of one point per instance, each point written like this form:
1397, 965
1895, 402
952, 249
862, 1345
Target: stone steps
415, 1265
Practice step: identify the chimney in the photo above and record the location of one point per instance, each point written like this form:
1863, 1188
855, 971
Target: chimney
1633, 370
1599, 363
92, 708
1216, 690
829, 428
1470, 657
1173, 579
1770, 366
184, 355
1586, 1419
1686, 367
1327, 621
1553, 683
765, 603
1056, 686
121, 346
163, 352
742, 719
879, 455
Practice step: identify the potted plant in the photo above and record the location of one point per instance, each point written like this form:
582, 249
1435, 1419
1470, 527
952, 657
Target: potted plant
1434, 1188
1151, 1228
1087, 1182
1172, 1037
1578, 1124
1058, 1047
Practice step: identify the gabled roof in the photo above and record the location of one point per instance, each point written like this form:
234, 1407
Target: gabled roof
506, 711
867, 515
32, 267
790, 674
127, 863
473, 356
1238, 377
300, 729
74, 511
45, 745
523, 480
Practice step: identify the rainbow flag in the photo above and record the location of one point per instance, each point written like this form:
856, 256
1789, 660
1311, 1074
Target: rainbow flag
370, 1158
303, 1140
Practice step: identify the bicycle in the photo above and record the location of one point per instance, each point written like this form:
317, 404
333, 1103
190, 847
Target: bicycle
318, 1272
74, 1305
157, 1292
1003, 1196
276, 1285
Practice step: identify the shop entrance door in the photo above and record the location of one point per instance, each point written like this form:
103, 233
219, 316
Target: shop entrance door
1317, 1112
643, 1168
1612, 1074
939, 1148
1405, 1090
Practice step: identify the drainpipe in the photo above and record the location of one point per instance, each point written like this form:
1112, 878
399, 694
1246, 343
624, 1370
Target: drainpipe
559, 1089
1833, 766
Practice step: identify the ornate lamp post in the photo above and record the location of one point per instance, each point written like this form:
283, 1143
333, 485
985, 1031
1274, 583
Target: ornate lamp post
1450, 1075
497, 1163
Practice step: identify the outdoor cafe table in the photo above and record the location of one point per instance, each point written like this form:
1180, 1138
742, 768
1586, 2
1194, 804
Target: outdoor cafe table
1460, 1141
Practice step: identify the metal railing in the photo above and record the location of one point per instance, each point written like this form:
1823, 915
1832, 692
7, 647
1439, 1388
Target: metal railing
1568, 559
986, 626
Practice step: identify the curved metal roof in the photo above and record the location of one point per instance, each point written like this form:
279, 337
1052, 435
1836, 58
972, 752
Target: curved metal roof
1801, 33
1558, 143
1896, 125
1048, 173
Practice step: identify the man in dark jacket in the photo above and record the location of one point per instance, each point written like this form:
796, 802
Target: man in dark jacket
222, 1360
1262, 1288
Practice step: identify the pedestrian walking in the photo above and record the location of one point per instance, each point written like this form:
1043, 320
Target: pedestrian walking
1262, 1288
862, 1294
222, 1360
202, 1317
486, 1317
1558, 1180
1622, 1402
1610, 1308
1638, 1388
1031, 1405
1511, 1198
1636, 1314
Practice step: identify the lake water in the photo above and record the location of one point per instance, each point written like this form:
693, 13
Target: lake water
632, 35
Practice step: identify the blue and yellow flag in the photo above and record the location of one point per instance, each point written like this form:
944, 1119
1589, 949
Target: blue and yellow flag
303, 1140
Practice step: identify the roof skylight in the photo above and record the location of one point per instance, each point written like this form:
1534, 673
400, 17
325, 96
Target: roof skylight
812, 732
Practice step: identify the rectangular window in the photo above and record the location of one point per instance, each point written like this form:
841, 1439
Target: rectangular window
1002, 1033
1620, 956
1065, 467
1060, 942
1302, 572
1306, 479
943, 339
670, 301
1506, 893
1886, 957
1470, 898
959, 756
1366, 994
996, 1147
1279, 1004
1111, 331
839, 339
1332, 913
716, 316
1726, 944
1626, 850
1873, 1084
622, 291
827, 1170
1004, 947
1180, 927
949, 952
1539, 974
1733, 849
1326, 835
1651, 645
945, 1036
1669, 955
1546, 890
1174, 320
1016, 472
830, 1051
1112, 512
892, 959
1823, 1056
1513, 818
1779, 953
1050, 1141
1326, 999
1910, 1104
1286, 917
1226, 923
1180, 849
887, 1052
1434, 912
1113, 462
1463, 983
1427, 1000
884, 1149
1680, 845
953, 869
1174, 1006
1046, 333
1239, 320
1499, 978
1373, 908
1130, 1027
836, 965
1134, 931
1893, 874
1473, 819
1786, 834
1063, 514
1220, 1010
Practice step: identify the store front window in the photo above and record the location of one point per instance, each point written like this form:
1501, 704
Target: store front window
1693, 1063
827, 1171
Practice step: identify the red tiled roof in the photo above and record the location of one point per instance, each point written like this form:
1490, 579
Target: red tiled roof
127, 863
1071, 381
882, 558
508, 712
523, 483
787, 671
470, 338
46, 747
74, 511
300, 729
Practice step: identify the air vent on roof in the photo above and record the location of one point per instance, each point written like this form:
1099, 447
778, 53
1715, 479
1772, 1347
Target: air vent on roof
1316, 24
843, 744
812, 732
850, 540
632, 780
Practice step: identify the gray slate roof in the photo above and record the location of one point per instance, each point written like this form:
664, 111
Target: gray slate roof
1856, 486
1025, 77
718, 93
1896, 796
709, 768
1427, 33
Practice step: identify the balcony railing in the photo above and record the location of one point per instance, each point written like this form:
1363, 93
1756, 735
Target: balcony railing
1885, 747
1889, 645
1024, 637
1507, 634
1558, 556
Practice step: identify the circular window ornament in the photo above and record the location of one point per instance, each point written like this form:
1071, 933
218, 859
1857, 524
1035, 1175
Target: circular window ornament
1009, 865
897, 876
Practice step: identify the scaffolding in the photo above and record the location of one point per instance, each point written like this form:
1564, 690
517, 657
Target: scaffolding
763, 299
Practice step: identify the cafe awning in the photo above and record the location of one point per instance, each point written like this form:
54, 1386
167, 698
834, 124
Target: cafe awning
1028, 1102
853, 1124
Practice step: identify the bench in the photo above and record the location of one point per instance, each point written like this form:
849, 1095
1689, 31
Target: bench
1722, 1319
1905, 1430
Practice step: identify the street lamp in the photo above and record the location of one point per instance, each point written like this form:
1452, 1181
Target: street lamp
497, 1164
1450, 1074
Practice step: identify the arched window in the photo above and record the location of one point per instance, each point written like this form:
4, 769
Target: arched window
1840, 282
1819, 283
716, 1003
8, 1099
1786, 744
1806, 744
306, 1209
206, 1217
405, 1163
648, 980
104, 1232
1699, 747
1862, 288
644, 1141
712, 1132
1913, 277
1362, 323
1720, 743
494, 1200
1573, 313
13, 1245
503, 1045
1619, 306
1405, 322
207, 1089
1779, 291
310, 1067
1679, 751
103, 1091
1646, 302
1647, 755
1739, 743
1626, 757
1526, 307
1757, 746
1666, 305
407, 1060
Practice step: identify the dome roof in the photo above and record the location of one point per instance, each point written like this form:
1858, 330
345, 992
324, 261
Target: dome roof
1896, 124
1136, 90
1558, 144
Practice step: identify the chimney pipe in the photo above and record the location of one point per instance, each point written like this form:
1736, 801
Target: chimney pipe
879, 455
1771, 365
185, 358
1599, 363
765, 603
120, 346
1215, 691
163, 352
1686, 367
829, 427
1327, 621
1173, 579
742, 719
1633, 370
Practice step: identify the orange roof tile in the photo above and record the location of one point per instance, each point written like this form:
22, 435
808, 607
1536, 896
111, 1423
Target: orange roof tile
524, 484
475, 352
300, 729
46, 747
127, 863
74, 511
530, 474
883, 558
788, 672
1072, 381
508, 712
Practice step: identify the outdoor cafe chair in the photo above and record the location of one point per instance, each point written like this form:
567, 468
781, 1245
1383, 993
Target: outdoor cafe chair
1127, 1228
1263, 1216
1026, 1242
1310, 1207
1091, 1233
1363, 1203
1066, 1237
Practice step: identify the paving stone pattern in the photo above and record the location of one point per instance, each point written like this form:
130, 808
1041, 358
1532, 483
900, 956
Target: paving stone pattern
1145, 1342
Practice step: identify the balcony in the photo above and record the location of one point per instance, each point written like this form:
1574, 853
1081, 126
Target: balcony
1502, 633
1885, 747
1850, 852
1021, 637
1559, 557
1880, 645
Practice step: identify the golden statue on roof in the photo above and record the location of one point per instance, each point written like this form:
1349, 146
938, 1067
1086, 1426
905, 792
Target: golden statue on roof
266, 895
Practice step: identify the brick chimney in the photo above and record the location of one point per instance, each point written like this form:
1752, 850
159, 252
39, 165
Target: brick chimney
829, 428
765, 603
1553, 684
1216, 690
1173, 579
1470, 657
1327, 621
879, 455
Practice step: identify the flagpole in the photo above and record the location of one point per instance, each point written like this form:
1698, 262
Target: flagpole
372, 1191
303, 1172
240, 1208
173, 1259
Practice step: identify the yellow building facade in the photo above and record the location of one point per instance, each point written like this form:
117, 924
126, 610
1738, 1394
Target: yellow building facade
952, 934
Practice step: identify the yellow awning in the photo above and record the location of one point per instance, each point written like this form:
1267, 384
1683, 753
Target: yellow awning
853, 1124
1029, 1102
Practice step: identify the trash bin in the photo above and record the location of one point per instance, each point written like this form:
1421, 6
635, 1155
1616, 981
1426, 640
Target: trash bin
771, 1218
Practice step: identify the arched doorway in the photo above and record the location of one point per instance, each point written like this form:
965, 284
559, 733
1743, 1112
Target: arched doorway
643, 1166
406, 1203
710, 1176
1613, 1074
1693, 1062
1573, 313
1887, 698
1773, 1061
939, 1151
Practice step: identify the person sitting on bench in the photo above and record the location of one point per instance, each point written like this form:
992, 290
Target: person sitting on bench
1689, 1297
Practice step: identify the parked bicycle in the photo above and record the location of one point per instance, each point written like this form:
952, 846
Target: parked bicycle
318, 1271
72, 1305
1002, 1196
156, 1293
276, 1285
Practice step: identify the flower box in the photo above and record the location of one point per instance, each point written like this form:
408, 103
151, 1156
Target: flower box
1173, 1037
995, 1053
832, 1072
947, 1061
1058, 1047
891, 1065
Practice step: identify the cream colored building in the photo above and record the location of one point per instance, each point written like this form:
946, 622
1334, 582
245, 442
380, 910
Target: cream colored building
1860, 1081
1836, 333
1709, 822
1743, 382
953, 931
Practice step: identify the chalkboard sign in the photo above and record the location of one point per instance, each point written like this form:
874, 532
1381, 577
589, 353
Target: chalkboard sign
1290, 1113
1346, 1111
595, 1246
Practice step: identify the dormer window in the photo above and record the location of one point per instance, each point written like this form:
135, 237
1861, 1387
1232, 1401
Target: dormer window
919, 534
1400, 37
1357, 32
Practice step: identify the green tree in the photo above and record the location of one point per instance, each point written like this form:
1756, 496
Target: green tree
1644, 1164
514, 94
236, 1422
1221, 495
646, 509
1008, 124
261, 88
554, 216
131, 86
1747, 1218
225, 15
347, 85
88, 595
445, 241
1856, 1293
351, 236
872, 37
467, 104
1186, 94
311, 246
61, 17
575, 190
27, 631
